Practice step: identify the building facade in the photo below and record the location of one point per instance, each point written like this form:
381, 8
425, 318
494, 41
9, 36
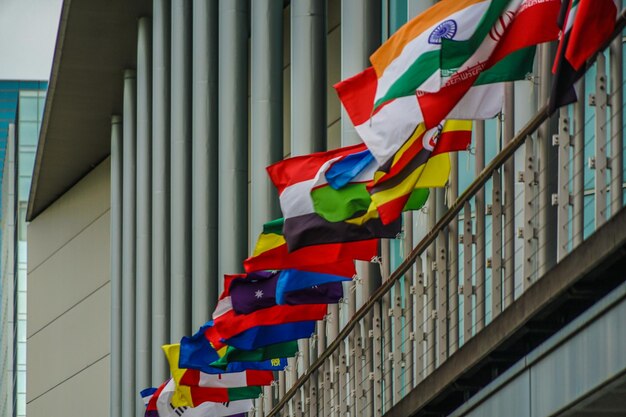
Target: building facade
149, 185
22, 110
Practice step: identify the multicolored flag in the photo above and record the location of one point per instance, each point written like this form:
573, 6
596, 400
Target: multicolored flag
258, 290
192, 396
422, 162
410, 59
227, 323
271, 253
265, 353
164, 407
506, 54
291, 280
151, 406
196, 352
585, 26
391, 125
146, 395
262, 336
194, 377
340, 190
294, 179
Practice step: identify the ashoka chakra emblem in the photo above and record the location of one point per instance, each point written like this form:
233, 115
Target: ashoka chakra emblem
446, 29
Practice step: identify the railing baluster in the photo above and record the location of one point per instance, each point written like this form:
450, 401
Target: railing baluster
479, 255
600, 162
468, 287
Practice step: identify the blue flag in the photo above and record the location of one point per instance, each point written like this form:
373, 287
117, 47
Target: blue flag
347, 168
260, 336
294, 280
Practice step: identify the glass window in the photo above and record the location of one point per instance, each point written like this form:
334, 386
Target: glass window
24, 188
28, 133
28, 107
26, 163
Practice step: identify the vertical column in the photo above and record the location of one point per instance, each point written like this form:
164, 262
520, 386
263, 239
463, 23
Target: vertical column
547, 173
233, 135
144, 208
308, 76
267, 109
600, 162
129, 389
578, 209
454, 260
617, 134
180, 197
160, 186
479, 256
563, 141
508, 173
204, 164
116, 266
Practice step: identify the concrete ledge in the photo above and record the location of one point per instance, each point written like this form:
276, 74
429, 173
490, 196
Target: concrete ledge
437, 394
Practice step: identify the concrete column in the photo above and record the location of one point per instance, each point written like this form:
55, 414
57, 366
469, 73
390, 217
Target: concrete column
267, 110
180, 196
144, 208
116, 267
204, 180
129, 131
233, 136
360, 36
160, 187
308, 76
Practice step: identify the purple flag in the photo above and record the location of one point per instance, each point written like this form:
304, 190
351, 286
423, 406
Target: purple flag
258, 290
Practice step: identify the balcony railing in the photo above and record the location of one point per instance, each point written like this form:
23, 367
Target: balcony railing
551, 185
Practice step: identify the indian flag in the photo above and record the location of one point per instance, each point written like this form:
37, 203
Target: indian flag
506, 54
410, 59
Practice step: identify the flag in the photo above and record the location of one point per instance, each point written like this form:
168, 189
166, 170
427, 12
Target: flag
422, 162
390, 126
271, 252
505, 55
227, 323
261, 336
294, 178
265, 353
207, 409
345, 196
585, 27
151, 406
196, 352
146, 395
192, 396
410, 59
258, 290
291, 280
194, 377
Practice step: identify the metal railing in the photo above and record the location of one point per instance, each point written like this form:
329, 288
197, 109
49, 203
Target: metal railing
528, 208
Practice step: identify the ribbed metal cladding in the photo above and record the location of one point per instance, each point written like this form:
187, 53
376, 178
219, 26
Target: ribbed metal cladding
129, 186
267, 110
180, 196
160, 186
233, 136
115, 404
144, 208
204, 180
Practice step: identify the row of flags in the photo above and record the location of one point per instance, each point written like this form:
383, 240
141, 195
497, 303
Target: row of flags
411, 108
